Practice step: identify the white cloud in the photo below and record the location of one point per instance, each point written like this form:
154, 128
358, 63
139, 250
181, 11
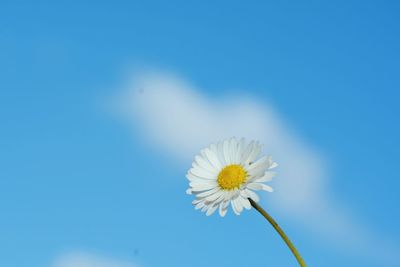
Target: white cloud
179, 119
79, 259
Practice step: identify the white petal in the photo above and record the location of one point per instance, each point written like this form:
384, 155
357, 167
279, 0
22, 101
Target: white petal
272, 164
258, 186
239, 203
256, 149
257, 172
203, 162
240, 149
220, 150
202, 187
204, 156
214, 148
207, 193
246, 151
254, 186
204, 208
227, 152
202, 173
266, 178
221, 198
245, 203
238, 206
199, 205
234, 208
260, 163
252, 195
222, 212
243, 194
233, 150
202, 182
189, 191
193, 177
215, 196
212, 172
229, 195
267, 188
211, 210
223, 208
212, 157
194, 202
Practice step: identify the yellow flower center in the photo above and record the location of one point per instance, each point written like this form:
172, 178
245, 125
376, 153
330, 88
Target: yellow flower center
231, 177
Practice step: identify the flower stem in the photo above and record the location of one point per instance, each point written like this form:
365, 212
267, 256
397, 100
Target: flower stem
280, 232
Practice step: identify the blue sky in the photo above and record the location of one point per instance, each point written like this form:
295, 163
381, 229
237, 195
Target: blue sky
74, 178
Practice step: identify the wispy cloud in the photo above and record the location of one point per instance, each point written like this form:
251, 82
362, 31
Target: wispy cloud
80, 259
179, 119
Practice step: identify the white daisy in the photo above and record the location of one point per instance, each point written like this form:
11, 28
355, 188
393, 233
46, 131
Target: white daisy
227, 173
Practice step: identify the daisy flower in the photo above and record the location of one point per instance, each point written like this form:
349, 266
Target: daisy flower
229, 172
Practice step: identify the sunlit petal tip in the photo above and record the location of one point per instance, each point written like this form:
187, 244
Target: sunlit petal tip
273, 165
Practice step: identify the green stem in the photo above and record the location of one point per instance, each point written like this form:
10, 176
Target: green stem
280, 232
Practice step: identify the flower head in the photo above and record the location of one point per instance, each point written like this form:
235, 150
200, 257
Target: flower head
228, 172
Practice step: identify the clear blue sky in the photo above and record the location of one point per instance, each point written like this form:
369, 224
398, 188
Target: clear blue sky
73, 178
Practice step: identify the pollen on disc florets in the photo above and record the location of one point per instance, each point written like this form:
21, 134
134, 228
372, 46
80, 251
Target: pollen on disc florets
232, 177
